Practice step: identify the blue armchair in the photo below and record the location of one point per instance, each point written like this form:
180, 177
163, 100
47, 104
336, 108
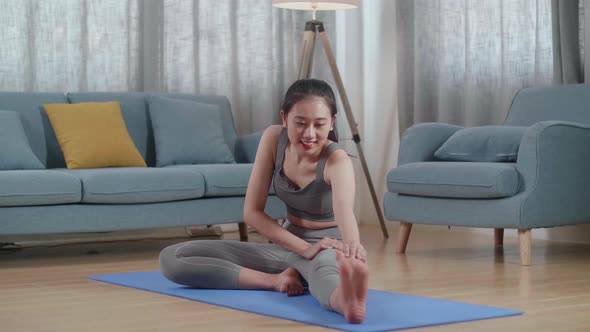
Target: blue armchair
548, 185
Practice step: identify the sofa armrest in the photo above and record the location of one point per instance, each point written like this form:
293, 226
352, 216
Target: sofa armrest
419, 142
246, 146
554, 167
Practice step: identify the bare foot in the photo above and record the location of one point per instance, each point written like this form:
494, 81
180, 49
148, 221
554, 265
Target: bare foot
350, 298
289, 282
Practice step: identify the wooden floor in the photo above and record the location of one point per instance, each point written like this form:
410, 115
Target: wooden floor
46, 289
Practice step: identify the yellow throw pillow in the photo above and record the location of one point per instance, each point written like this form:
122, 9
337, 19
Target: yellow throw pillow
93, 135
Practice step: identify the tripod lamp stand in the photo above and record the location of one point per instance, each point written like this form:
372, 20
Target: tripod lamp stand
313, 28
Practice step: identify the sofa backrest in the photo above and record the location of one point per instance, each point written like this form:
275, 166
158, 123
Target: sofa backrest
561, 102
134, 109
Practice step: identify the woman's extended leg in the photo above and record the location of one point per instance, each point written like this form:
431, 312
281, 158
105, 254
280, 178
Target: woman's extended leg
225, 264
350, 297
339, 283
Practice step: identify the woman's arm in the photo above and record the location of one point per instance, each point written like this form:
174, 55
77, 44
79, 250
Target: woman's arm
257, 194
339, 173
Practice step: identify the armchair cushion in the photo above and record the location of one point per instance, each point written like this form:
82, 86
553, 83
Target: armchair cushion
420, 142
454, 179
482, 144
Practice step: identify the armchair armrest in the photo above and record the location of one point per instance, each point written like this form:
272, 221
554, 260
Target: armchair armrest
419, 142
246, 146
554, 164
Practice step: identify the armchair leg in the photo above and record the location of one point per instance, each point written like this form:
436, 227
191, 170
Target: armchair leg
498, 237
524, 237
402, 239
243, 231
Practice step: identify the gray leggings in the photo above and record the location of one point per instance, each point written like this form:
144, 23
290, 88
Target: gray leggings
217, 263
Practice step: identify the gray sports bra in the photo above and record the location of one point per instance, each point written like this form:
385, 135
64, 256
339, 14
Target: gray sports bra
314, 201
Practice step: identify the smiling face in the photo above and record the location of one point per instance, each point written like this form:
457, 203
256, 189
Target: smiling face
308, 124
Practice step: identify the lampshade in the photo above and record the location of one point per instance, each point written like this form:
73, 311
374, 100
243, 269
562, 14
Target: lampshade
316, 5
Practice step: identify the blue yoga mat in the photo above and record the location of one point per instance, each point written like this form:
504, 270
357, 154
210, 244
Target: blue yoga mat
385, 311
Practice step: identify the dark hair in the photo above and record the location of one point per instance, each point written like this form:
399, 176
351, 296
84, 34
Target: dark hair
309, 87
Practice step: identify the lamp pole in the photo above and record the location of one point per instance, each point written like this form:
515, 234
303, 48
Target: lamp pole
312, 28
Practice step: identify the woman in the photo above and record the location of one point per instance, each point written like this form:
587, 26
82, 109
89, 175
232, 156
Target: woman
320, 242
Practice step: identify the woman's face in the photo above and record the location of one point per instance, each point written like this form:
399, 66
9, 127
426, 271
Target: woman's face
308, 124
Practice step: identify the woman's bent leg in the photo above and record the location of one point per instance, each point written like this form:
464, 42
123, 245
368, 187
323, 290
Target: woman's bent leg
219, 263
288, 281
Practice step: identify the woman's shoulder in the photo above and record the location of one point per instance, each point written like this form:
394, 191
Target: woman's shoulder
270, 139
273, 131
338, 164
272, 134
337, 156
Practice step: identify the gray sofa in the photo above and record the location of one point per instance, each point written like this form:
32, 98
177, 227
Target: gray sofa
60, 200
547, 185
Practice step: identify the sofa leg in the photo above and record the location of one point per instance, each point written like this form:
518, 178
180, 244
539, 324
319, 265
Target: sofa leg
243, 231
402, 238
498, 237
524, 237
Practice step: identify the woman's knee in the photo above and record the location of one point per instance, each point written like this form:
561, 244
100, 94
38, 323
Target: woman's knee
167, 260
325, 259
171, 264
324, 269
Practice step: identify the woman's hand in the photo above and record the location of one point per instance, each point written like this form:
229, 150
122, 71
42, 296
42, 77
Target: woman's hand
355, 250
326, 243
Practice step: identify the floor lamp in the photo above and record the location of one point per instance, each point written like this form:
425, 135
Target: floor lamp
312, 28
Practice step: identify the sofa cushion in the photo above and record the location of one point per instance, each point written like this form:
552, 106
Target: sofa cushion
135, 113
36, 124
223, 179
129, 185
187, 132
93, 135
15, 151
486, 143
38, 187
223, 106
454, 179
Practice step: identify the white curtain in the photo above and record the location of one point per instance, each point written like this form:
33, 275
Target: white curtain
69, 45
462, 61
367, 58
245, 50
